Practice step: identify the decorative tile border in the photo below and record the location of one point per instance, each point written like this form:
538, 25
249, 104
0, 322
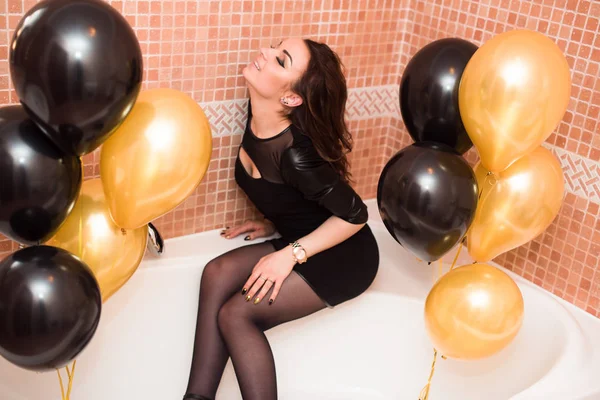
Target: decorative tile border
226, 117
582, 175
229, 117
373, 102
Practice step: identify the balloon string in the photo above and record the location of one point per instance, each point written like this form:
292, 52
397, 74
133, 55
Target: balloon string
71, 374
62, 388
440, 266
485, 181
424, 395
456, 256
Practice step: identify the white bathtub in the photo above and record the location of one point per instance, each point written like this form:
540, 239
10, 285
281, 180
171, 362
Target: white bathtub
373, 347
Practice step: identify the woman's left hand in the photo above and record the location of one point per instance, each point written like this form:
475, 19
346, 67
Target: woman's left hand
271, 270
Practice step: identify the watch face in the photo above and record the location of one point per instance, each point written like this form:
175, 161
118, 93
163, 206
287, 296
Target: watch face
300, 253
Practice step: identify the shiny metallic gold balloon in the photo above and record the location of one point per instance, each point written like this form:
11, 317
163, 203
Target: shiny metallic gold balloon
513, 93
156, 158
473, 312
517, 204
90, 233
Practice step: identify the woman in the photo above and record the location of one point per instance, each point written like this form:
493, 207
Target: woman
292, 165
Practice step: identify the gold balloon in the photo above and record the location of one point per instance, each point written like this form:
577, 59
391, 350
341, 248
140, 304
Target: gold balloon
90, 233
473, 312
517, 204
156, 158
513, 93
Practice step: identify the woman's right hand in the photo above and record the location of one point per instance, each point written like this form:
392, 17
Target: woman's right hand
254, 228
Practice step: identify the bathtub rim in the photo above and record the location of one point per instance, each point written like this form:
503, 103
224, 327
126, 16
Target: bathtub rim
192, 241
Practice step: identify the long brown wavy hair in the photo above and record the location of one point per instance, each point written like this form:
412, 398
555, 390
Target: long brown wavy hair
321, 116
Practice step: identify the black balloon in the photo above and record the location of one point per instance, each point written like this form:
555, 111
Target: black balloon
50, 307
77, 68
39, 184
427, 197
429, 93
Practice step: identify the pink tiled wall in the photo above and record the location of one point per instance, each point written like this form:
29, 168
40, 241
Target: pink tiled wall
200, 46
566, 258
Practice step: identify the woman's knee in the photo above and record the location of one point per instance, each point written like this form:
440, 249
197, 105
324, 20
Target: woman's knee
213, 272
234, 313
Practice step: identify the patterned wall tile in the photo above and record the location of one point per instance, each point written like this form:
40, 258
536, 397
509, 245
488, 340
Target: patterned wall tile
366, 103
582, 175
226, 117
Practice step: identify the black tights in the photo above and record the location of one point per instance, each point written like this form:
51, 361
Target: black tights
228, 325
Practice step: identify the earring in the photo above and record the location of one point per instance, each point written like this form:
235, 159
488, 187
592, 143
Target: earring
284, 101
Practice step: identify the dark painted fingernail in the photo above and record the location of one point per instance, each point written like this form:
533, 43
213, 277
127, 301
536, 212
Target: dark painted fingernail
226, 227
270, 301
247, 237
222, 233
244, 290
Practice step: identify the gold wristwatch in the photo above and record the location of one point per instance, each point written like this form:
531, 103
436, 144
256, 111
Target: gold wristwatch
298, 253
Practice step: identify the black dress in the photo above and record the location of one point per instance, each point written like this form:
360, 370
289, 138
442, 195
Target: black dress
298, 190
